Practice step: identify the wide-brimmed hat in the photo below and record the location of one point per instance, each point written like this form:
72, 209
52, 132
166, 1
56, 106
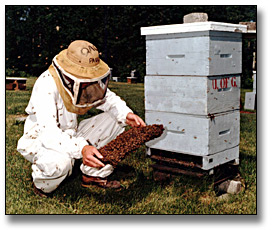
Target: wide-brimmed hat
81, 59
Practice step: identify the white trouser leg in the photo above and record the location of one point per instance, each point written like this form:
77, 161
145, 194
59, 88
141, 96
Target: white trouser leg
50, 168
99, 131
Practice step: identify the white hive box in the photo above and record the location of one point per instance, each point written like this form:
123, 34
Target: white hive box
196, 135
202, 48
192, 95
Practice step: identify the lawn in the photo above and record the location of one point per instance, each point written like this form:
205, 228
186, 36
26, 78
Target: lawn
140, 193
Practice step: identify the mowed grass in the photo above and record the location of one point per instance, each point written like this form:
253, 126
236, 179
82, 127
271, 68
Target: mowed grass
140, 193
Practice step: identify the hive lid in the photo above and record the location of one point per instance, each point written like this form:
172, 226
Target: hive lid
193, 27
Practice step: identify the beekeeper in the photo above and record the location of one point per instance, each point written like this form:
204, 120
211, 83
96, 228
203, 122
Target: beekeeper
76, 81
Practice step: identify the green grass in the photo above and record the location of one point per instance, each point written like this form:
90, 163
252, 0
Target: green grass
140, 193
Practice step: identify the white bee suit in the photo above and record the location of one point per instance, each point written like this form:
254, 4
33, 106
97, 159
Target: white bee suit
52, 139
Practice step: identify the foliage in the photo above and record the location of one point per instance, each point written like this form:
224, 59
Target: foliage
35, 34
140, 193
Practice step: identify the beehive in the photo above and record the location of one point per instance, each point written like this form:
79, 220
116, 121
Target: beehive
192, 87
202, 49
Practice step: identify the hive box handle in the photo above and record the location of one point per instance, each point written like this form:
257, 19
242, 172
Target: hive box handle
225, 55
224, 132
175, 56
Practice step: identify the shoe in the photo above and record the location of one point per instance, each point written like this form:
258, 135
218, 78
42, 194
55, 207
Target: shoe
40, 193
88, 181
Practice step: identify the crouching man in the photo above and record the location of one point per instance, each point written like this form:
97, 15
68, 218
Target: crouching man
76, 81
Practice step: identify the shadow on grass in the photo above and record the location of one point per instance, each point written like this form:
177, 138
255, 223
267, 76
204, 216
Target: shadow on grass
136, 186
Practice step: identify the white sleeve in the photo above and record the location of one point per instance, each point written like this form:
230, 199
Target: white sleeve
116, 107
43, 106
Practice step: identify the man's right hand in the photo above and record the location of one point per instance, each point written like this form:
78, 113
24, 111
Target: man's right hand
88, 155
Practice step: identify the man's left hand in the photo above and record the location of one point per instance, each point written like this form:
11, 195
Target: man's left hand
134, 120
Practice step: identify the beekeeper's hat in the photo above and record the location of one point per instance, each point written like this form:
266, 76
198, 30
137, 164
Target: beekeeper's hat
81, 59
81, 76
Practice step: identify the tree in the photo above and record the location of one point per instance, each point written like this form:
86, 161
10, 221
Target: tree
35, 34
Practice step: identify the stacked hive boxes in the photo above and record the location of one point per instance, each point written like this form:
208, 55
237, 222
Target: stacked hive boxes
192, 87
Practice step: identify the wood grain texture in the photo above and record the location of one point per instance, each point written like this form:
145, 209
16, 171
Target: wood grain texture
192, 95
195, 135
199, 53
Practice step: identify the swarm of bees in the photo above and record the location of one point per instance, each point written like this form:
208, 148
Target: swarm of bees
129, 141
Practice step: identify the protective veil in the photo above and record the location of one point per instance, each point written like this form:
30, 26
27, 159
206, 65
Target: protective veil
81, 77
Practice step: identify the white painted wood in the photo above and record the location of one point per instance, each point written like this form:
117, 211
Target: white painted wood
224, 131
116, 79
214, 160
207, 33
192, 95
202, 53
197, 26
223, 93
16, 78
225, 56
254, 81
227, 155
177, 56
250, 100
195, 135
